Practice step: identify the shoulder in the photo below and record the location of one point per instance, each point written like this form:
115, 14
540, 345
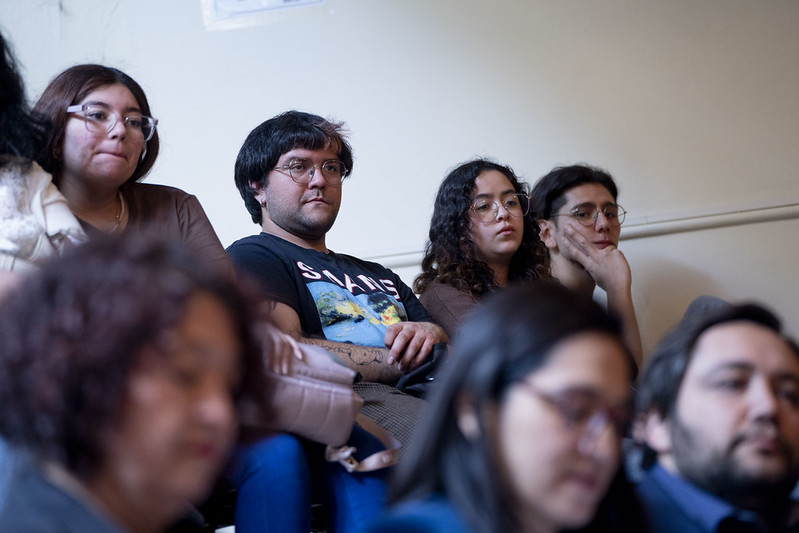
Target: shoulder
429, 516
150, 190
263, 244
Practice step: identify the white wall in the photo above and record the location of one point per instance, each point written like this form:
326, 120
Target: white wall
692, 106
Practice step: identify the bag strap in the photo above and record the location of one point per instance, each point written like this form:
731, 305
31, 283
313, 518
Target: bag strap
382, 459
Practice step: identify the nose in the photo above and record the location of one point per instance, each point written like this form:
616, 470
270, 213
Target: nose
315, 178
215, 408
596, 439
500, 211
761, 399
602, 223
118, 129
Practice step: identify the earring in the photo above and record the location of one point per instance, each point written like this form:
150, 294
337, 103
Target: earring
143, 152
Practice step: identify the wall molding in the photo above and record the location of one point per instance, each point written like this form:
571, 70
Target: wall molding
640, 228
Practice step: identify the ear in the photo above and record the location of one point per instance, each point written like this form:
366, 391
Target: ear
466, 417
260, 192
656, 432
547, 234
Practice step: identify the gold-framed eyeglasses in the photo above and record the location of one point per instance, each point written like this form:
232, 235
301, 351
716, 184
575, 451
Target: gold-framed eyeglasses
486, 211
587, 214
582, 412
100, 119
302, 170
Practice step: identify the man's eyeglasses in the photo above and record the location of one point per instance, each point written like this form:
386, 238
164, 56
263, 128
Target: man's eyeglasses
100, 119
587, 214
581, 412
486, 211
302, 170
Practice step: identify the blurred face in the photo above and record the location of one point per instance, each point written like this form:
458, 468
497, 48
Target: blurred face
558, 459
178, 421
601, 234
736, 428
497, 240
291, 209
98, 160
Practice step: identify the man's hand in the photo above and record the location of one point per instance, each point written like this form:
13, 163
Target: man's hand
608, 266
411, 342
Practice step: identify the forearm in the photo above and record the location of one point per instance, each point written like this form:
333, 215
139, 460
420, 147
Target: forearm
370, 361
620, 303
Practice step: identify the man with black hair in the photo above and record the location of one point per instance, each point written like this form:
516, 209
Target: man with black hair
580, 223
718, 408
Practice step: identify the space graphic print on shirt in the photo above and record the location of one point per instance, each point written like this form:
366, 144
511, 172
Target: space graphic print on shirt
354, 310
337, 297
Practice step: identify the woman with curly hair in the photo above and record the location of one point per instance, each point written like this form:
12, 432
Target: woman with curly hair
121, 368
481, 238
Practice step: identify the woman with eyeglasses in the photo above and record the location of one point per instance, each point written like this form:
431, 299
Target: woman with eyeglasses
523, 429
101, 142
480, 239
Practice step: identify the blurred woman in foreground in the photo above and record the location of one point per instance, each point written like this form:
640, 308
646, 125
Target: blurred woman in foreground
523, 431
121, 367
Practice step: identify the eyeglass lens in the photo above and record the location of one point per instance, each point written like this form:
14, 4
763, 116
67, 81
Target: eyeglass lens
517, 205
100, 119
587, 215
302, 170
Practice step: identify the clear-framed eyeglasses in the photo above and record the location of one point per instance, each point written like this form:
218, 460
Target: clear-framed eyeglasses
486, 211
583, 413
302, 170
588, 214
101, 119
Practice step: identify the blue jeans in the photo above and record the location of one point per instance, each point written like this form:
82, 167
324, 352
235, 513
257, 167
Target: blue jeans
275, 478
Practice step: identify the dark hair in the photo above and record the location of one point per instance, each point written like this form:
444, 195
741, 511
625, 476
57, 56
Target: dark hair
548, 193
20, 135
265, 144
70, 87
71, 335
451, 255
511, 334
662, 376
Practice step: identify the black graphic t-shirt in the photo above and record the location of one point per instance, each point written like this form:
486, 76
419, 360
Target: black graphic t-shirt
337, 297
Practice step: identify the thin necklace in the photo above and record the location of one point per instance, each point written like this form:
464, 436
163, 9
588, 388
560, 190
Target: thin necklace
121, 213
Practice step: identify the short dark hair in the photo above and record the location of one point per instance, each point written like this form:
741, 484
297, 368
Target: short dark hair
69, 88
663, 374
451, 255
548, 193
509, 335
71, 335
265, 144
20, 135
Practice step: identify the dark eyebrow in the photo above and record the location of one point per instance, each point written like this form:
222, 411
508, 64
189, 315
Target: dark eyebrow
502, 194
105, 105
591, 204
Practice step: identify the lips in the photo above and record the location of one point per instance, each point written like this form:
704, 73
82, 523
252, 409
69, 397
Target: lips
603, 244
316, 200
506, 230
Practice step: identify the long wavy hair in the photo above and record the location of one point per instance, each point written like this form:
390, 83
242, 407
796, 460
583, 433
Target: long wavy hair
451, 255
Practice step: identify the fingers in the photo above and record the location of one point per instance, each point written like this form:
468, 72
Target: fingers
410, 343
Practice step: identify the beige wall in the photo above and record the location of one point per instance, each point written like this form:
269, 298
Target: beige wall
691, 105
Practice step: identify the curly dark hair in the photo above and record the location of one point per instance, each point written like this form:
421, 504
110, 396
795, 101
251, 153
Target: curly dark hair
451, 256
20, 135
70, 87
71, 335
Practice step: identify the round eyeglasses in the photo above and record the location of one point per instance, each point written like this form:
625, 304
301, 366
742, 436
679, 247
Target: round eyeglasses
588, 214
302, 170
581, 411
100, 119
486, 211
